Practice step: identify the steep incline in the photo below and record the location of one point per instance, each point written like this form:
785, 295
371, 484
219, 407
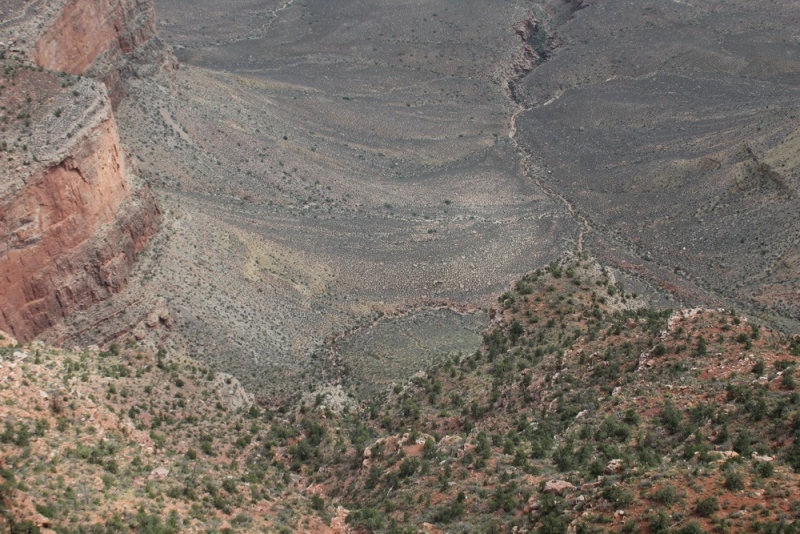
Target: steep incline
672, 129
582, 412
105, 39
72, 219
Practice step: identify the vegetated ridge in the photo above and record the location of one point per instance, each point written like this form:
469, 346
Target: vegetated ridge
583, 411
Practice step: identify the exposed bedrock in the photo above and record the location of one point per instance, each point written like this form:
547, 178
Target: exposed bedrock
71, 219
105, 39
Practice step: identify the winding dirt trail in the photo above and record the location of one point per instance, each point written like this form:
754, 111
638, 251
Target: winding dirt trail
261, 32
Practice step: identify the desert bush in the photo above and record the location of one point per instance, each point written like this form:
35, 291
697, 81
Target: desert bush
734, 480
691, 528
671, 417
659, 522
666, 495
408, 467
367, 518
449, 512
764, 469
702, 347
743, 442
706, 507
788, 381
618, 495
23, 527
611, 427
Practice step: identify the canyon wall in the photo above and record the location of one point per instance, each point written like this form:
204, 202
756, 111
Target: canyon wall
88, 32
109, 40
71, 220
72, 216
105, 39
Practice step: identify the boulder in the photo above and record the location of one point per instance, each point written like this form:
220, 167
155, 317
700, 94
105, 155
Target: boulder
558, 487
159, 473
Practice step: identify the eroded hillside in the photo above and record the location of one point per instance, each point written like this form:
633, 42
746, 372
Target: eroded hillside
583, 410
324, 166
672, 128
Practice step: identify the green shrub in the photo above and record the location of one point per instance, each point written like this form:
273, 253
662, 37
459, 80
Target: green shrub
618, 495
553, 520
370, 519
23, 527
701, 413
631, 417
612, 428
449, 513
565, 458
702, 347
692, 528
48, 510
772, 527
153, 524
229, 485
742, 338
408, 467
764, 469
743, 443
666, 495
553, 523
793, 455
503, 498
734, 480
788, 381
671, 417
429, 449
659, 522
706, 507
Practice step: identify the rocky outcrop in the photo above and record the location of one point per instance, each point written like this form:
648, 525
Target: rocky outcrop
71, 220
535, 46
87, 32
105, 39
527, 28
110, 40
231, 393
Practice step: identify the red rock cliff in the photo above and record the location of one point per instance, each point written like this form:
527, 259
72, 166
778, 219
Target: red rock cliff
105, 39
71, 220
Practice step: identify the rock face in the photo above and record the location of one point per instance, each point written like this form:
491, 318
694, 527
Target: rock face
72, 218
71, 224
105, 39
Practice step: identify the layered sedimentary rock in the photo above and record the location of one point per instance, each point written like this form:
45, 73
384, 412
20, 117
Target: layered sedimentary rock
105, 39
71, 219
88, 32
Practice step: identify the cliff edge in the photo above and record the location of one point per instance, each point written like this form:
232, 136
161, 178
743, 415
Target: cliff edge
109, 40
72, 215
